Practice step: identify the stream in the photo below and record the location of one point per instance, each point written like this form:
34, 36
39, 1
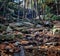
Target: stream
21, 53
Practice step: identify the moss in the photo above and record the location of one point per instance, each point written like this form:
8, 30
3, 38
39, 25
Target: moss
18, 36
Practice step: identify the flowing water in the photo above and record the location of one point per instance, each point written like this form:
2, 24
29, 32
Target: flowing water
21, 53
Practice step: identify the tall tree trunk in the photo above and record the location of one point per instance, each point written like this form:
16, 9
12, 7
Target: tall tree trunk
18, 11
24, 9
57, 6
38, 10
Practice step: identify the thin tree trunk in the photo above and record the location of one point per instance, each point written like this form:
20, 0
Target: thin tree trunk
24, 9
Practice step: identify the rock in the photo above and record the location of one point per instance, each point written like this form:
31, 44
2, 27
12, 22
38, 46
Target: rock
8, 29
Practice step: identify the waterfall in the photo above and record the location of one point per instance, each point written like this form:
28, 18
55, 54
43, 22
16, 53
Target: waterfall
22, 53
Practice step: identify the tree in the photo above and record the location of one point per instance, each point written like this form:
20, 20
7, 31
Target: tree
9, 7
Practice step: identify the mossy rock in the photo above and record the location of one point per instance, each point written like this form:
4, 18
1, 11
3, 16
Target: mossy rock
7, 37
2, 28
19, 36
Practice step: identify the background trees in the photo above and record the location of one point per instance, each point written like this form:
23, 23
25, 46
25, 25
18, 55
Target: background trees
49, 9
